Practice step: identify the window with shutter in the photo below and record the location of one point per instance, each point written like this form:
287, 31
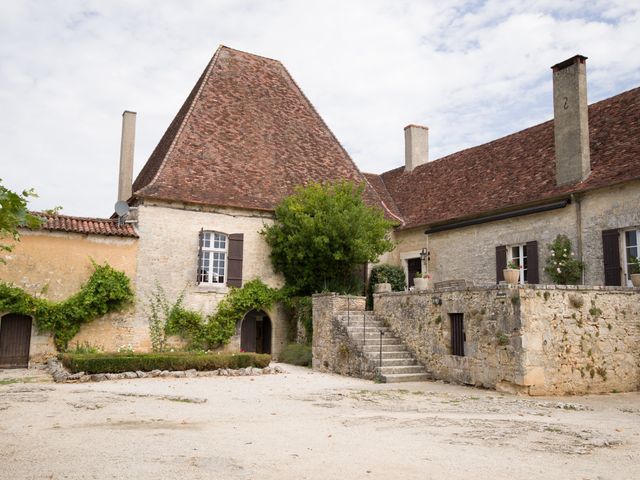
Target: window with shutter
236, 241
212, 258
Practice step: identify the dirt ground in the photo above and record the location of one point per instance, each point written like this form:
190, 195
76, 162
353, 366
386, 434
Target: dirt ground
307, 425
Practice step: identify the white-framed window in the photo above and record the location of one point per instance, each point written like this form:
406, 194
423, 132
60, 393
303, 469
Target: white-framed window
213, 258
631, 240
518, 254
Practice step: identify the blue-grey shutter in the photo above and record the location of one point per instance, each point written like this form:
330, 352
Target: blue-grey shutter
611, 257
501, 262
199, 266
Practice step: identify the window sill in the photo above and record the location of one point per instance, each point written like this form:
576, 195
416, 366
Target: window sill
211, 288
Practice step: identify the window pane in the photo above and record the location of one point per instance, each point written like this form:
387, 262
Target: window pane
631, 238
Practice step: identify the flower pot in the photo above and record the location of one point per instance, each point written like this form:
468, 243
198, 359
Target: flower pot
382, 288
421, 284
511, 275
635, 279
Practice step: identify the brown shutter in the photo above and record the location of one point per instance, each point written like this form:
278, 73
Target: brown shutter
199, 266
501, 262
234, 262
611, 257
533, 269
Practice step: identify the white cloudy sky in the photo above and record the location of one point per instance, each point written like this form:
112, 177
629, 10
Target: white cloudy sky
470, 70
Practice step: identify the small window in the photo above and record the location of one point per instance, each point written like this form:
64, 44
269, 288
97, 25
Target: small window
213, 258
518, 254
457, 334
631, 250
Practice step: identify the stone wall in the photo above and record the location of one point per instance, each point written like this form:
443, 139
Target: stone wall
536, 339
469, 252
54, 265
333, 349
168, 254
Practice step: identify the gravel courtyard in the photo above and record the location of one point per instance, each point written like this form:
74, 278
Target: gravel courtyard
307, 425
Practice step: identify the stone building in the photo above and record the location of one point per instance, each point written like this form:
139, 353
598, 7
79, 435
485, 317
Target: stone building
577, 175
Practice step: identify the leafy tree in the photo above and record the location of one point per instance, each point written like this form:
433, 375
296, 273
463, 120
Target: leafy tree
13, 214
322, 232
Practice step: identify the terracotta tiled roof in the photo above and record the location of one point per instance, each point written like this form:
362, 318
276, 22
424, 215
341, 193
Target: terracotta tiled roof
387, 200
517, 169
245, 137
96, 226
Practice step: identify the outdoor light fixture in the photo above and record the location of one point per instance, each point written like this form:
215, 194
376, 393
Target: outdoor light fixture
436, 301
425, 255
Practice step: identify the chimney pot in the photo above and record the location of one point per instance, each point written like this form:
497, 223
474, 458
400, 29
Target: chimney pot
571, 120
127, 144
416, 146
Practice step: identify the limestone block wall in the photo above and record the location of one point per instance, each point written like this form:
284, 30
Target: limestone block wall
333, 349
469, 252
168, 254
54, 265
540, 340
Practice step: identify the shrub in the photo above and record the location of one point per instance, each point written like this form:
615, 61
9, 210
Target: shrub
301, 313
130, 362
385, 273
561, 266
297, 354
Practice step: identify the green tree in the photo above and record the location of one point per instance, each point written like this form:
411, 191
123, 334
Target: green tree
322, 232
13, 214
562, 266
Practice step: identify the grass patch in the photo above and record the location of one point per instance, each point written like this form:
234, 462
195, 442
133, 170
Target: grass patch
10, 381
130, 362
296, 354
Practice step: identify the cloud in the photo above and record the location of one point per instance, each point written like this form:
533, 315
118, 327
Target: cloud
471, 71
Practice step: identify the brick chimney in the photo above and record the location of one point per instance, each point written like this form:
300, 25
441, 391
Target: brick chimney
416, 146
571, 120
127, 142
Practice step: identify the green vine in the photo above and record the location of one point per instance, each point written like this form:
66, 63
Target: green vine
107, 290
217, 329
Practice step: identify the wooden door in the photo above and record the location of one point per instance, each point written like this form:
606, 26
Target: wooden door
248, 333
15, 338
414, 265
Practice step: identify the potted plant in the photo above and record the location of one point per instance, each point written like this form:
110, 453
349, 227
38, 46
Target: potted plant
634, 271
421, 281
383, 284
512, 272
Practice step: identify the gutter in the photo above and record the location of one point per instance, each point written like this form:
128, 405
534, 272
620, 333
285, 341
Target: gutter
499, 216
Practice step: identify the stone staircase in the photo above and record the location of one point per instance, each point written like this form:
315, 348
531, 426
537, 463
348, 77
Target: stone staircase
397, 364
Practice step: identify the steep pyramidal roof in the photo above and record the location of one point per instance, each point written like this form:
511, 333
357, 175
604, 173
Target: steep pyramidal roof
516, 170
245, 137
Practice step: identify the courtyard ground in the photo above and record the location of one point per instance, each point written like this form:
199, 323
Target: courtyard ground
307, 425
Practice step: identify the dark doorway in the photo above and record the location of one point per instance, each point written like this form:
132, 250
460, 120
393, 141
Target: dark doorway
255, 332
15, 338
414, 265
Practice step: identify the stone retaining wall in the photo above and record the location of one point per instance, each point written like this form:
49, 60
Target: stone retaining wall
533, 339
333, 349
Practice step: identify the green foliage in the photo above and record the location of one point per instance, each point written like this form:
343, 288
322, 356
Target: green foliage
86, 347
13, 214
107, 290
131, 362
300, 312
321, 233
296, 354
253, 295
385, 273
634, 265
561, 266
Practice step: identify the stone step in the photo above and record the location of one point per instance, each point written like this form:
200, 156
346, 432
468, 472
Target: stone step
359, 323
394, 362
408, 377
388, 355
370, 335
368, 329
385, 348
401, 369
376, 341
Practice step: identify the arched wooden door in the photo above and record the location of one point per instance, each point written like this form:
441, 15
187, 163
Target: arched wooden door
255, 332
15, 338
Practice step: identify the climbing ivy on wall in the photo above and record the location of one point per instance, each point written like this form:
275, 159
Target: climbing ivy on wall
107, 290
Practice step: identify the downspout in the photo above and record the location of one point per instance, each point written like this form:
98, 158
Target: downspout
578, 206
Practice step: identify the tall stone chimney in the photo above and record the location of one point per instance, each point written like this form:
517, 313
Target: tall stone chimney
416, 146
127, 143
571, 120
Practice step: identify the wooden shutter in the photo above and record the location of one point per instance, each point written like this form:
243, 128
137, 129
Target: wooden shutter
533, 269
611, 257
199, 266
501, 262
234, 260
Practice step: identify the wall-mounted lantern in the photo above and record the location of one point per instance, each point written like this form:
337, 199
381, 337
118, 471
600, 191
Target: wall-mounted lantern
425, 255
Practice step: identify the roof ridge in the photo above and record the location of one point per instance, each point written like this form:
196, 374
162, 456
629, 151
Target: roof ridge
221, 46
504, 137
74, 217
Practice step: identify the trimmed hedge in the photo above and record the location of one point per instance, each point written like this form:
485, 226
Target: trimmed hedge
130, 362
297, 354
